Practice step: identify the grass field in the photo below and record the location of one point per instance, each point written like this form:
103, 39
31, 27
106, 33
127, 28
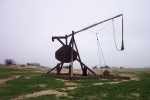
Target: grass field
29, 84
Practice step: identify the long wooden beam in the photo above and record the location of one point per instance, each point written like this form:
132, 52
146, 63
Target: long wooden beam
64, 37
95, 24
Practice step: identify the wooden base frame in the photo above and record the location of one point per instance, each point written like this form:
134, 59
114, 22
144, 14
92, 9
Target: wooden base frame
73, 45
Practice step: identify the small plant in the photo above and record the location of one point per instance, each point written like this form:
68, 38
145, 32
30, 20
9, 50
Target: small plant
9, 62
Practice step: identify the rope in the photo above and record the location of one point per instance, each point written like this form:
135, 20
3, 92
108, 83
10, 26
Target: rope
99, 45
100, 29
100, 49
103, 27
122, 48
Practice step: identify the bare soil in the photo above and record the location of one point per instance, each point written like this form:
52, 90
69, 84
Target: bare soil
2, 81
40, 93
41, 85
98, 83
71, 83
61, 80
133, 77
135, 94
67, 82
68, 88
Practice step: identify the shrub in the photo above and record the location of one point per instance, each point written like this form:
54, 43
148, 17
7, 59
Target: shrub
9, 62
95, 67
33, 64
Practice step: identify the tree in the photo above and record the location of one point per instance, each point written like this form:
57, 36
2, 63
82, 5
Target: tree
9, 62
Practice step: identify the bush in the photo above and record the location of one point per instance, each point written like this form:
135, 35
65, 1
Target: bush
33, 64
9, 62
104, 67
95, 67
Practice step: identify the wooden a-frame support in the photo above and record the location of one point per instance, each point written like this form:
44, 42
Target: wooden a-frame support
72, 44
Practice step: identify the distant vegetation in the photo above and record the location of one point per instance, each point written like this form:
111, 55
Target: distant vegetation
33, 64
104, 67
9, 62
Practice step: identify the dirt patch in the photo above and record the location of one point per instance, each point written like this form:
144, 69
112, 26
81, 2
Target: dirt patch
27, 77
132, 77
40, 93
135, 78
107, 83
111, 82
71, 88
71, 83
61, 80
114, 82
98, 83
67, 82
38, 71
68, 88
2, 81
135, 94
41, 85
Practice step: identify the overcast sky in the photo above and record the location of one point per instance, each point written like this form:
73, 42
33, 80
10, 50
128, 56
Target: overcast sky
26, 28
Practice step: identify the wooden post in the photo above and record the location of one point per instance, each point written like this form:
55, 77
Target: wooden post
58, 69
66, 39
78, 54
71, 75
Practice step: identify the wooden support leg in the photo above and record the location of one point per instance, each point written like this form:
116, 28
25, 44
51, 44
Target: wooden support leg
91, 71
84, 71
58, 69
61, 67
78, 54
72, 46
69, 70
53, 68
86, 67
